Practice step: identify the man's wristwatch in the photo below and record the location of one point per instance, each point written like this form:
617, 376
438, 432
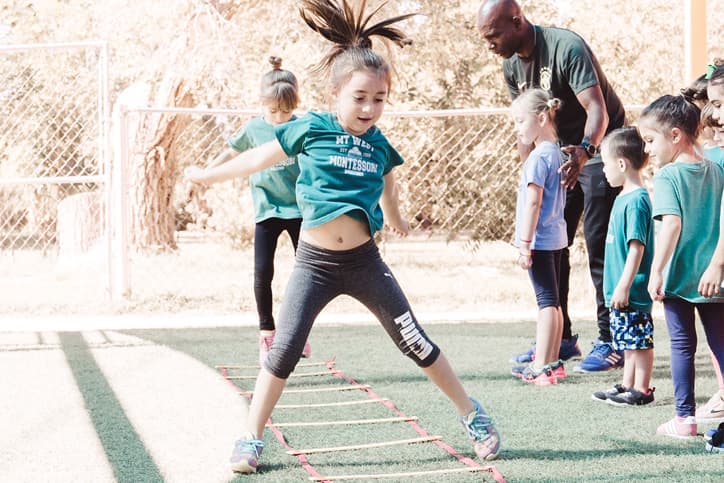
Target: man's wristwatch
591, 149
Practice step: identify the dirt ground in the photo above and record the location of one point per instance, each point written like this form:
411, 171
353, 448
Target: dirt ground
206, 276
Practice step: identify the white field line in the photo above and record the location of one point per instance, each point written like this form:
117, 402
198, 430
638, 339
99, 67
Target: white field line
185, 413
42, 415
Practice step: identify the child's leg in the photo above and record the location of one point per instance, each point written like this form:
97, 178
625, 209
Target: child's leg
717, 370
373, 284
632, 331
544, 275
642, 361
443, 376
369, 280
679, 316
548, 336
629, 369
712, 316
309, 289
293, 227
266, 235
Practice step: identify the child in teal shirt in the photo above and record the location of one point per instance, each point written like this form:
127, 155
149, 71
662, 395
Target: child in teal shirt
272, 191
687, 201
627, 262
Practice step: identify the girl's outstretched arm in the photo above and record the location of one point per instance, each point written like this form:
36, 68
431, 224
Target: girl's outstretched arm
244, 164
391, 207
666, 241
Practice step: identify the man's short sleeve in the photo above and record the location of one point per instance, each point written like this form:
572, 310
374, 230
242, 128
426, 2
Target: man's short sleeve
510, 80
291, 135
579, 68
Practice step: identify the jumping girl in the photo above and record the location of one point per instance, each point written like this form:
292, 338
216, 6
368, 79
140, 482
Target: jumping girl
345, 185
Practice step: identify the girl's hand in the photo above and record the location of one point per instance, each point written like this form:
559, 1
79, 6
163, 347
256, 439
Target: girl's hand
656, 284
195, 174
619, 300
402, 228
710, 282
525, 260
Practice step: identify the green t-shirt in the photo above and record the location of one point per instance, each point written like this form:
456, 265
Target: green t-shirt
563, 64
630, 220
692, 191
715, 154
273, 189
339, 173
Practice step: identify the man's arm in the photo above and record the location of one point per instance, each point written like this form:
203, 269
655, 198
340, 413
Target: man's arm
592, 101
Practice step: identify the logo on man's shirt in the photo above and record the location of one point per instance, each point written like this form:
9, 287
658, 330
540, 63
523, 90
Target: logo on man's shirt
545, 78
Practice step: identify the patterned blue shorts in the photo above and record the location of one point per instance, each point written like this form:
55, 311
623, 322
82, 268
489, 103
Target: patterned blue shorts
631, 329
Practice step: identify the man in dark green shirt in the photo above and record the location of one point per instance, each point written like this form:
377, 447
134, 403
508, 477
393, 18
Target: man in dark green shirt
561, 62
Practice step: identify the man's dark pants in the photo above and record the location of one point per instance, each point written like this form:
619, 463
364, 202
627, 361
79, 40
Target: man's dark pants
592, 197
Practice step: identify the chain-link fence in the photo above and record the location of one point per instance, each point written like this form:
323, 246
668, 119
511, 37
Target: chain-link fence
459, 179
53, 171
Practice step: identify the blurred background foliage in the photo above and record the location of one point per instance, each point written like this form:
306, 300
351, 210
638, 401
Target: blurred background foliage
213, 53
222, 45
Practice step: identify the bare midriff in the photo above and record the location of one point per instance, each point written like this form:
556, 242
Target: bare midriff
342, 233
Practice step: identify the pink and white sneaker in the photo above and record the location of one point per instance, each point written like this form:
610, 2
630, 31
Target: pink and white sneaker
713, 410
678, 427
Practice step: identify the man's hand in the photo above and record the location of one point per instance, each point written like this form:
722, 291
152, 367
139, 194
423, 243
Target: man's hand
577, 157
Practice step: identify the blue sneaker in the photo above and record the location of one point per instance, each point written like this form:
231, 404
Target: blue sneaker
245, 456
602, 358
715, 440
710, 433
480, 428
569, 350
525, 357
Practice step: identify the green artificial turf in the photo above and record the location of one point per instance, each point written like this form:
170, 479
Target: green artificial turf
554, 433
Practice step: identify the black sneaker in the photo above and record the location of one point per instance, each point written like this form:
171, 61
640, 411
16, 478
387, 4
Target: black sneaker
632, 397
604, 395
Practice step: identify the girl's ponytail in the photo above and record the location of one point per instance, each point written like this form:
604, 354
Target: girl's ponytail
351, 33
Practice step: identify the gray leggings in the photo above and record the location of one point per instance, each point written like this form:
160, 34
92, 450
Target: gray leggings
319, 276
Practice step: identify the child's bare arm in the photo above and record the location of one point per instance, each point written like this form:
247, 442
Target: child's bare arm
619, 300
531, 213
391, 206
243, 164
666, 241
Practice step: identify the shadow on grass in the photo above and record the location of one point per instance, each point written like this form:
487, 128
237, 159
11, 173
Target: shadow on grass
623, 446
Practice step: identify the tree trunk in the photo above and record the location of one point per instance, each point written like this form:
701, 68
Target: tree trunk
153, 170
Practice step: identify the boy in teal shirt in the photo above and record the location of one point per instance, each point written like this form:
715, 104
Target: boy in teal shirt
627, 263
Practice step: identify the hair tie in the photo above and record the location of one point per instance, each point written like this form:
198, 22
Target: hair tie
710, 71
